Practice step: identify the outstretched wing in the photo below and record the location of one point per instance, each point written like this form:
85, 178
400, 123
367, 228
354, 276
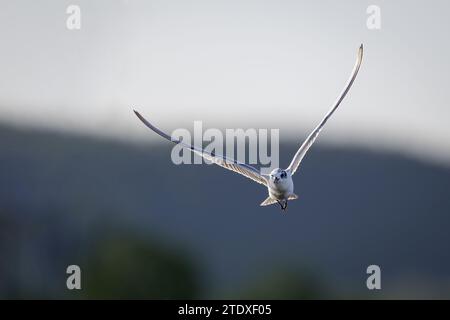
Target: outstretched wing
230, 164
313, 135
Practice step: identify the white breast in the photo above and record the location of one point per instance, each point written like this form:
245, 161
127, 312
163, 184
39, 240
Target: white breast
281, 190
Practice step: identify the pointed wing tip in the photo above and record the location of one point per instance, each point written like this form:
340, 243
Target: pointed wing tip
139, 116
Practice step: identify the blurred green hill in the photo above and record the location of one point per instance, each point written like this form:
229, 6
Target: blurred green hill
139, 226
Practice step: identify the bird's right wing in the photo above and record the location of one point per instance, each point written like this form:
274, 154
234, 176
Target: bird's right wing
230, 164
313, 135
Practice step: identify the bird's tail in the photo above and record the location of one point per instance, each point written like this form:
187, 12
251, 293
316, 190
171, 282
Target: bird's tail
270, 200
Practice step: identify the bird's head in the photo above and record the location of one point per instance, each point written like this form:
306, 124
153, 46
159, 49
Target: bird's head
278, 175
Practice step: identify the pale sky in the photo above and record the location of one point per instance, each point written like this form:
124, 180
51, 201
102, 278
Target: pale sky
232, 64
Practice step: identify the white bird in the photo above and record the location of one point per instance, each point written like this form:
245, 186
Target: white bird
279, 182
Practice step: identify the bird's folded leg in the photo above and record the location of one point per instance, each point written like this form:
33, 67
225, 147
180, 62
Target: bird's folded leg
281, 205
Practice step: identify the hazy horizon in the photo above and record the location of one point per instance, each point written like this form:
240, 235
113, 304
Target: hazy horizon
240, 64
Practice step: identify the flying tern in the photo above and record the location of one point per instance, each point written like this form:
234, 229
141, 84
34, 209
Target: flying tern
279, 182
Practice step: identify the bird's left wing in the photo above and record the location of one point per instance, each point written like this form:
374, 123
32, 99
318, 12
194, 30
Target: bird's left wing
230, 164
313, 135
